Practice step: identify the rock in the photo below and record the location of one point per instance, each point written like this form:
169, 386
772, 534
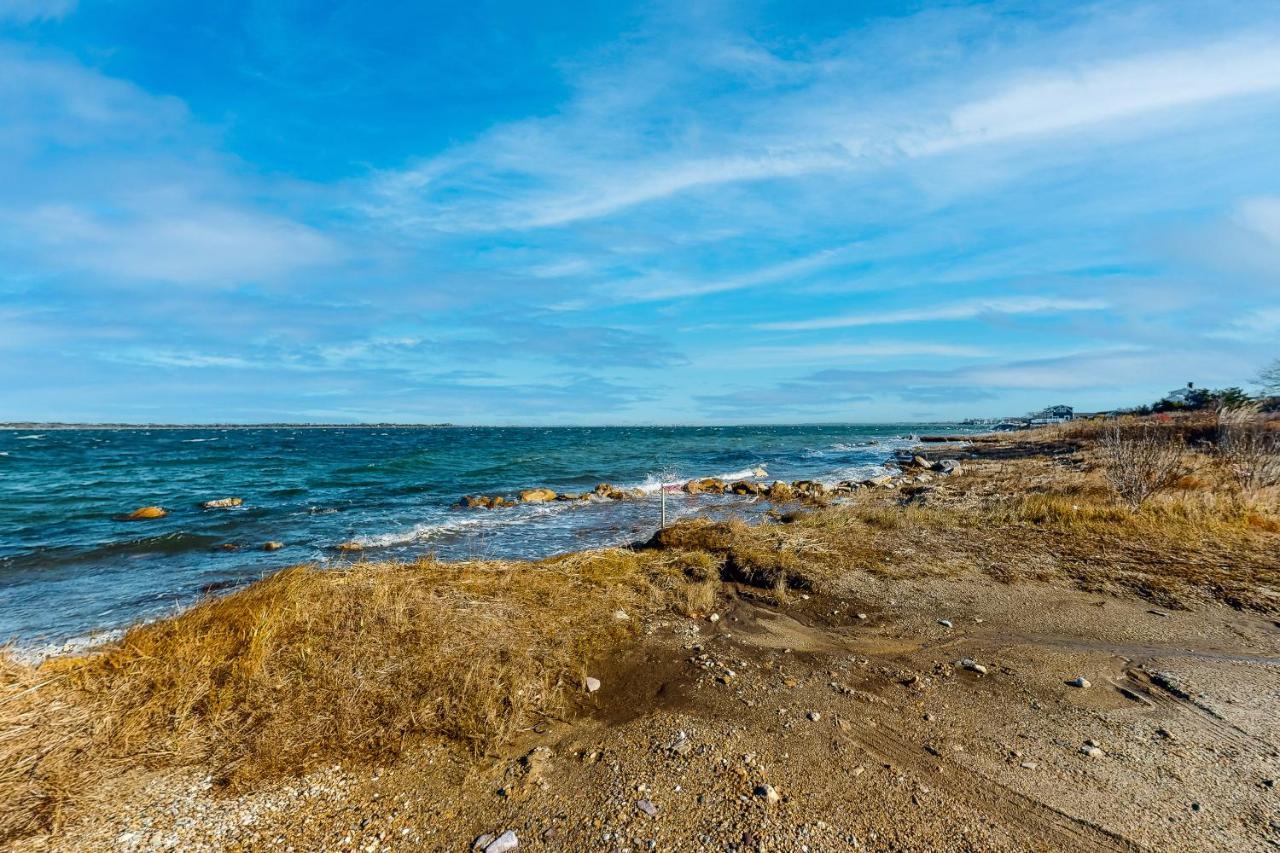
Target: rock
222, 503
1079, 681
348, 547
973, 666
947, 467
482, 841
272, 546
714, 617
604, 489
146, 513
621, 615
780, 492
745, 487
884, 481
681, 746
1092, 751
814, 716
860, 616
921, 462
647, 807
945, 623
499, 500
537, 496
1028, 765
569, 496
503, 843
768, 793
809, 488
475, 502
593, 684
707, 485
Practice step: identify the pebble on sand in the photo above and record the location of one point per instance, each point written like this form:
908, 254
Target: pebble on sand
945, 623
1079, 681
503, 843
593, 684
647, 807
815, 716
768, 792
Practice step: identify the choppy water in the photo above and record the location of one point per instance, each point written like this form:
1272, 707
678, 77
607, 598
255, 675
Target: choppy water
68, 567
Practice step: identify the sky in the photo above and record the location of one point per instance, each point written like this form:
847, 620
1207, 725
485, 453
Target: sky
615, 213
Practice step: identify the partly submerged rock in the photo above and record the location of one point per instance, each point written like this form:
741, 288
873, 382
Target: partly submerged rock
745, 487
475, 502
706, 485
537, 496
145, 513
272, 545
348, 547
780, 492
222, 503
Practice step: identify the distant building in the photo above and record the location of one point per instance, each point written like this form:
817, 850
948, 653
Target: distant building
1052, 415
1181, 396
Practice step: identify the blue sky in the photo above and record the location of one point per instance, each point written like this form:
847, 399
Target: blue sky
613, 213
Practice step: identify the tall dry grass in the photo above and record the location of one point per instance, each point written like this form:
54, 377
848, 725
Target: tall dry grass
312, 665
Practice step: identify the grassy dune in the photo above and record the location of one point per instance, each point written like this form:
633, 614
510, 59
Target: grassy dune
312, 666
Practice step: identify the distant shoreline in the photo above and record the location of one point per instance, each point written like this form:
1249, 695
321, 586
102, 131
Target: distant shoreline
34, 425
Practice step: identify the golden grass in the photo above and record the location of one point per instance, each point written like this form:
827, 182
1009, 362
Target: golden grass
312, 665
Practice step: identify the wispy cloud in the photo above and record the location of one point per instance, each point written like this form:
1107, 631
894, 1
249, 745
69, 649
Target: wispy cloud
26, 11
956, 311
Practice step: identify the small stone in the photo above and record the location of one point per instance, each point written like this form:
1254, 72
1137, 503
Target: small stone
482, 841
862, 616
1028, 765
1079, 681
945, 623
647, 807
621, 615
768, 793
593, 684
503, 843
814, 716
1092, 751
973, 666
714, 617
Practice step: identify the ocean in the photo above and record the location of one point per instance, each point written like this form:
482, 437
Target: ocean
71, 572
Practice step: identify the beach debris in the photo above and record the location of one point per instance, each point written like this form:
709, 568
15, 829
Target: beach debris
593, 684
273, 545
537, 496
1079, 681
145, 513
680, 746
973, 666
222, 503
945, 623
768, 793
1028, 765
348, 547
505, 842
647, 807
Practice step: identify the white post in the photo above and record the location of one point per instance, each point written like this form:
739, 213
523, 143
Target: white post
662, 488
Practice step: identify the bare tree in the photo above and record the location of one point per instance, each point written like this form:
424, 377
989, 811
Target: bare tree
1140, 463
1248, 449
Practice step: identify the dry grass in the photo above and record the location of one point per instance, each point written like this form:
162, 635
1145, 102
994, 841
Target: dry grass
312, 665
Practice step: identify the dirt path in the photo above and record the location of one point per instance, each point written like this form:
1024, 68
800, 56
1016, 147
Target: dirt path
854, 709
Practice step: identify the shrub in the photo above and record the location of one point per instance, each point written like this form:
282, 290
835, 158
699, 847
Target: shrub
1140, 463
1248, 449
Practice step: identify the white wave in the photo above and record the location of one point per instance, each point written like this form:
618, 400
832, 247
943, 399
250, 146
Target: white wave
28, 437
33, 655
4, 453
194, 440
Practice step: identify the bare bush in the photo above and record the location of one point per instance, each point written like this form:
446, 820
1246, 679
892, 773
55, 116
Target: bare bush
1140, 463
1248, 449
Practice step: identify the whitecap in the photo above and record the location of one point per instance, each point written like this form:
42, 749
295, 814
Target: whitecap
29, 437
193, 440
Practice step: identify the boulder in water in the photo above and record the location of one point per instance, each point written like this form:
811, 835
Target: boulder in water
537, 496
272, 545
222, 503
744, 487
348, 547
145, 513
780, 492
475, 502
706, 485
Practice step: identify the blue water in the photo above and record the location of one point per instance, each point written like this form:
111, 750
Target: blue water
70, 568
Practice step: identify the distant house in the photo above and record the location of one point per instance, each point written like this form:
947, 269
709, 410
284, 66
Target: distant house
1181, 396
1052, 415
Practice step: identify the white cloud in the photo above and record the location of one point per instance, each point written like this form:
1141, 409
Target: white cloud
25, 11
824, 353
956, 311
1072, 98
